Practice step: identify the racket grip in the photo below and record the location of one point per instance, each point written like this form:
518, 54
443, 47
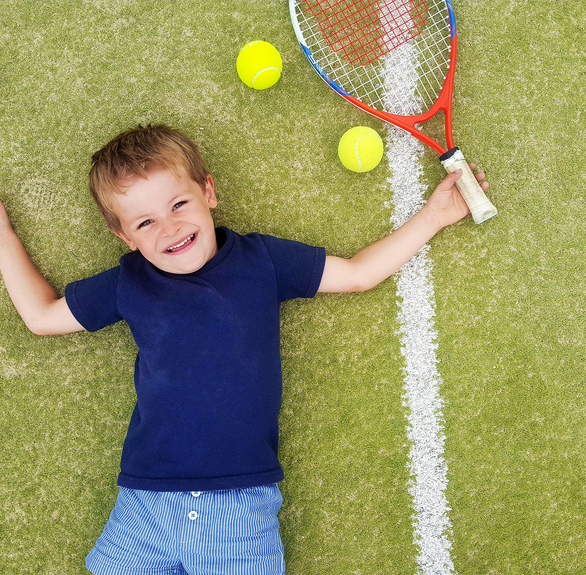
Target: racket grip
480, 206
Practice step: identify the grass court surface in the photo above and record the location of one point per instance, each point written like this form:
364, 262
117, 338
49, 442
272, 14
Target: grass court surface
510, 292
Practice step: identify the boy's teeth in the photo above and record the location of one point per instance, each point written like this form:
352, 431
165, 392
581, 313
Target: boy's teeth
181, 244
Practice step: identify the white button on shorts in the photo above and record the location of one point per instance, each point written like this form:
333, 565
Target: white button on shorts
193, 515
196, 493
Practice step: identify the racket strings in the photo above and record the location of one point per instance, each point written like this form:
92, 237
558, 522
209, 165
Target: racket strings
407, 76
359, 29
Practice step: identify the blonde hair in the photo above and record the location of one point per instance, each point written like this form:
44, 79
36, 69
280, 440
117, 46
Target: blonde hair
133, 154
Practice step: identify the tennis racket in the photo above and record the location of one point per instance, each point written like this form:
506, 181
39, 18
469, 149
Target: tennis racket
396, 60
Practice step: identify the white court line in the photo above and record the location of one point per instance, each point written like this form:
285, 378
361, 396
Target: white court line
422, 381
431, 524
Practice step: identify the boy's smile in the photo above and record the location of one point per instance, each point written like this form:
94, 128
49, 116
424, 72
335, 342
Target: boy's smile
167, 218
186, 242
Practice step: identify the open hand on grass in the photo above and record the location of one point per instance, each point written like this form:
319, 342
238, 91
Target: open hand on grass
446, 203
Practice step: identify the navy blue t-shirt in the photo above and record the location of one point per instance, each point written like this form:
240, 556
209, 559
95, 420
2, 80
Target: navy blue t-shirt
208, 371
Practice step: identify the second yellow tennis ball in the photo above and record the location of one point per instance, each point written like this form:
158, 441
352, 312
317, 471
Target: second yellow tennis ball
259, 65
360, 149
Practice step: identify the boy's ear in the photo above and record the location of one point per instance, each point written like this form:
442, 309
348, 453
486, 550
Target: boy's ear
125, 239
210, 193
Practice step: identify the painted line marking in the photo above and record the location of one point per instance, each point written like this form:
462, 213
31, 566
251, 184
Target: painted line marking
422, 381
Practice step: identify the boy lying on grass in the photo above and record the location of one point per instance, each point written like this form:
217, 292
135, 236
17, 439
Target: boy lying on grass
199, 471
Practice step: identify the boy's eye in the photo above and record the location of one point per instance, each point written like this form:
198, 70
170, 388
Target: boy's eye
179, 204
144, 224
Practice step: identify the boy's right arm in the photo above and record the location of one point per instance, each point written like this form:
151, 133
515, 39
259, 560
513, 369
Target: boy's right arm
42, 310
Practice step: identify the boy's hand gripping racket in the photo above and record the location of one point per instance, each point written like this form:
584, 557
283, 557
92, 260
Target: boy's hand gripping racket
396, 60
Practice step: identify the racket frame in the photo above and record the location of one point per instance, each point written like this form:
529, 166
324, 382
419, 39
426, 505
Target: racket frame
407, 123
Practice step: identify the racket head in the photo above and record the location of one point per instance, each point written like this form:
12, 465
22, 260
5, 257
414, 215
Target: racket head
392, 55
395, 59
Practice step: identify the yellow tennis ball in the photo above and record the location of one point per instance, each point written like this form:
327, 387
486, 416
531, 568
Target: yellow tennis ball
259, 65
360, 149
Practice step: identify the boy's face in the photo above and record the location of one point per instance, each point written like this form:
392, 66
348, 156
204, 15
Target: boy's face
167, 218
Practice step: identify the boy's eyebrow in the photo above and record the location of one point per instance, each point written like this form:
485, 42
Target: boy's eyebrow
144, 216
138, 218
179, 194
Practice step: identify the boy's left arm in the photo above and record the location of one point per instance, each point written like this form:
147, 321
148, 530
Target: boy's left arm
380, 260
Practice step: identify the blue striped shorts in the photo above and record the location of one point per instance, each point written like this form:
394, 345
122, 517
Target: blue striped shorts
232, 532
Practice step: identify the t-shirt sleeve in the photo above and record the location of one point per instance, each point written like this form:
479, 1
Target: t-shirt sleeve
93, 301
298, 267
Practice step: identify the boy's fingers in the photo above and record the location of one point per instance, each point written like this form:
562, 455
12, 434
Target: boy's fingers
452, 178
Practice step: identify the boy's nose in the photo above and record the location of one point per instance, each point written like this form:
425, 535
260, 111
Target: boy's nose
170, 227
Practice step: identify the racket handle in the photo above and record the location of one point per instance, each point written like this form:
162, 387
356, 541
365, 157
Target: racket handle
480, 206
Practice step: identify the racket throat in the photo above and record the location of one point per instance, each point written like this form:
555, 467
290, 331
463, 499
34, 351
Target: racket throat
412, 124
450, 157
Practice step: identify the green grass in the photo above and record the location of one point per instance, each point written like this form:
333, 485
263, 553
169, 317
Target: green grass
512, 327
510, 293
